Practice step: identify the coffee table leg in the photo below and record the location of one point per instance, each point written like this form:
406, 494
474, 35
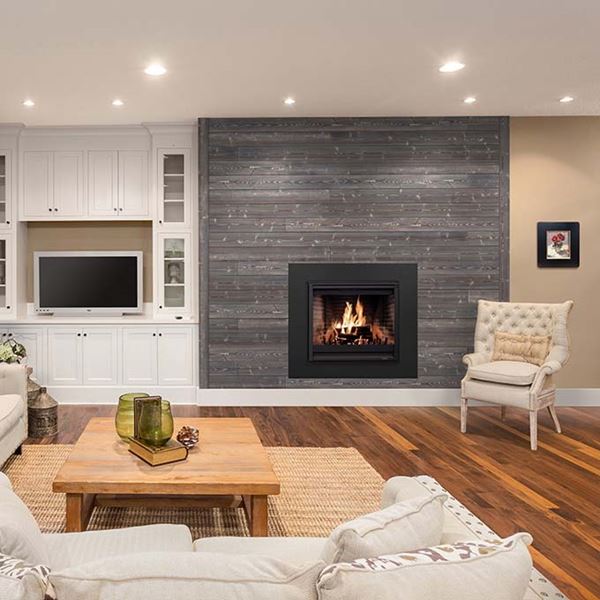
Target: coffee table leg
79, 510
258, 514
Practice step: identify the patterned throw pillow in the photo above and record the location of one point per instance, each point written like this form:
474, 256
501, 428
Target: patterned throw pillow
532, 349
462, 571
33, 580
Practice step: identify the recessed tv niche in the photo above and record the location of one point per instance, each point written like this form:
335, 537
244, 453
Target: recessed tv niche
92, 283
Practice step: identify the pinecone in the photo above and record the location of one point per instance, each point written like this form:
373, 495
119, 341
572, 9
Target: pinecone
188, 436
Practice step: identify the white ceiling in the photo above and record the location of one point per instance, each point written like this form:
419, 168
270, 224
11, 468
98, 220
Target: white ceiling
337, 57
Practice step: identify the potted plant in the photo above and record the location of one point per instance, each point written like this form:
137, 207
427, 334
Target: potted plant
12, 351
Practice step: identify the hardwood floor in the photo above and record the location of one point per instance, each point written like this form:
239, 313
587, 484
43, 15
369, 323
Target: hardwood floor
552, 493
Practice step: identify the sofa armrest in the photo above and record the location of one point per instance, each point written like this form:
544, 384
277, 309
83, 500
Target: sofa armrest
13, 380
474, 359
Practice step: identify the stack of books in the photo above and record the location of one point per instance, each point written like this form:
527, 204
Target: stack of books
171, 452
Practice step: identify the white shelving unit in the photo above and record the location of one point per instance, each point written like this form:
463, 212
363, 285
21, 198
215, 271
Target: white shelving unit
84, 174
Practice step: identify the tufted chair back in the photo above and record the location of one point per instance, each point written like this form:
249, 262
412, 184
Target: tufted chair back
526, 319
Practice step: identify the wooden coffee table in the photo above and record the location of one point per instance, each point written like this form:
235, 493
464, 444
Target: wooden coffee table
228, 468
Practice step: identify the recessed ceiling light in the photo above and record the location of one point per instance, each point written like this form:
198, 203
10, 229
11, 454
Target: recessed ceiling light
28, 103
566, 99
155, 69
117, 102
470, 100
451, 67
289, 101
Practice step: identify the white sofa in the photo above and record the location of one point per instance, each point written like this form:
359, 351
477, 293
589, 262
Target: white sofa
13, 409
166, 553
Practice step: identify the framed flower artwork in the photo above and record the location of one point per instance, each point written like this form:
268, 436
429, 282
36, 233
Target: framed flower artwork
558, 244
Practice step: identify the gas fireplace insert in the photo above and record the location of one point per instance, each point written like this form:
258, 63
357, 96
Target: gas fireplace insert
352, 320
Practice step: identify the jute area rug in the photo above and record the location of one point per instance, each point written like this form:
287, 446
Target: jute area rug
320, 488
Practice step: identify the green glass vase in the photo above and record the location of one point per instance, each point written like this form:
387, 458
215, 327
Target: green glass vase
124, 416
155, 426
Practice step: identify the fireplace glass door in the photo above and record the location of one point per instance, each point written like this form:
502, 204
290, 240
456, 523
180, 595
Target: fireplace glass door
352, 323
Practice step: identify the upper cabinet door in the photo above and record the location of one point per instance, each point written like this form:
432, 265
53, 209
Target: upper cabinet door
68, 184
37, 191
102, 183
133, 184
5, 189
174, 188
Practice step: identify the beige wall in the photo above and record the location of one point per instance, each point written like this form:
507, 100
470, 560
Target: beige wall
555, 176
91, 236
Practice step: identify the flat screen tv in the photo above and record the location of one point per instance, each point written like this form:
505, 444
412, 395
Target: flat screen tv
93, 283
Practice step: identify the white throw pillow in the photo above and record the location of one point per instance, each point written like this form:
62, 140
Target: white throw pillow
20, 535
496, 570
201, 575
404, 526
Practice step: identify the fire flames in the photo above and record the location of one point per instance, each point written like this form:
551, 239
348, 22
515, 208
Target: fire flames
353, 328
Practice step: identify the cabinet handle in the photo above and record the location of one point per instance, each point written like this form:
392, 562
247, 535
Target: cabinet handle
115, 208
78, 335
160, 306
56, 209
153, 335
160, 221
10, 335
8, 308
8, 222
120, 208
160, 335
50, 209
85, 335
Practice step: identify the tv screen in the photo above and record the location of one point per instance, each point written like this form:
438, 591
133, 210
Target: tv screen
82, 282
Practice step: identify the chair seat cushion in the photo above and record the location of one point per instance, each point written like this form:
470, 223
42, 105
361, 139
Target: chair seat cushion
11, 410
71, 549
505, 371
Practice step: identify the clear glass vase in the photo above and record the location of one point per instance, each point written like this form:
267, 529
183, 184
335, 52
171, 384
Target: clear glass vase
155, 426
124, 416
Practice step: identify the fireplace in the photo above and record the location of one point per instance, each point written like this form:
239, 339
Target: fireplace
352, 320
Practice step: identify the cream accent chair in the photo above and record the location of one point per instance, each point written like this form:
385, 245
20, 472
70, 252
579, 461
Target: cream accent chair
512, 383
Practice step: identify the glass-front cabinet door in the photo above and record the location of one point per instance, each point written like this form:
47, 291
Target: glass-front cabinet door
174, 274
4, 189
6, 290
174, 187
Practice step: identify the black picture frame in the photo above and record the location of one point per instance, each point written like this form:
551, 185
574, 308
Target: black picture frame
549, 251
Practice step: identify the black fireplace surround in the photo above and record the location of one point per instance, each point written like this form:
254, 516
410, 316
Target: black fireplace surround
352, 320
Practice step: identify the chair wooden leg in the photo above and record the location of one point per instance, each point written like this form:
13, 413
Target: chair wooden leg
552, 411
533, 429
19, 450
503, 413
463, 415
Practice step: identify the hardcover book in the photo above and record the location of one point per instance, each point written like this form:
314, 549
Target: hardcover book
171, 452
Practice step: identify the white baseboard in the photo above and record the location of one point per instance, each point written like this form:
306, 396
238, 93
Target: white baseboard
298, 397
363, 397
110, 395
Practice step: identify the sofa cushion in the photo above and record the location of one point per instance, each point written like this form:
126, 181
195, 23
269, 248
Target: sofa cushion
519, 347
20, 581
294, 550
11, 410
202, 575
20, 536
70, 549
403, 526
497, 570
505, 371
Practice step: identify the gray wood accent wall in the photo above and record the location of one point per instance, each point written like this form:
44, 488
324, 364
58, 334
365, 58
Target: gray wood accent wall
274, 191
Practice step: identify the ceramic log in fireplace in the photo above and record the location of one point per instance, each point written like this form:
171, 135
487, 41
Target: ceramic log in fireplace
352, 320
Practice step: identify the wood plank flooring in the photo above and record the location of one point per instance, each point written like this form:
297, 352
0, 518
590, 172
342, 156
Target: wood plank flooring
552, 493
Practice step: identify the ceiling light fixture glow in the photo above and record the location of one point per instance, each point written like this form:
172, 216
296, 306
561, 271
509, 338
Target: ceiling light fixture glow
28, 103
566, 99
451, 67
155, 69
289, 101
470, 100
117, 102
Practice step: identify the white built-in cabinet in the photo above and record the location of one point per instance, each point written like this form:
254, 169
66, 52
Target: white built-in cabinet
174, 187
5, 189
173, 273
101, 355
158, 356
53, 184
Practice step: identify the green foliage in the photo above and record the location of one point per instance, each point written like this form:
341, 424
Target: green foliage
12, 352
